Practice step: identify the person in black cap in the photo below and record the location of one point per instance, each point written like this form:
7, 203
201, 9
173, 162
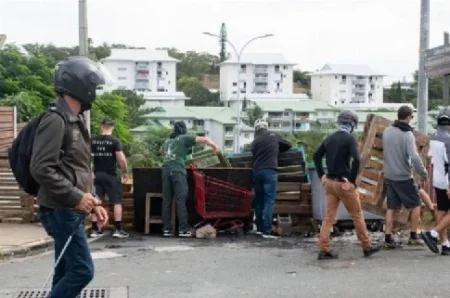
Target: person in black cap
107, 152
174, 181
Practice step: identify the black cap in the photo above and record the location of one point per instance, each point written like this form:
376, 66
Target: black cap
107, 121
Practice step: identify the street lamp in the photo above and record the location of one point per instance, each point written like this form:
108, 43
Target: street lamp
238, 96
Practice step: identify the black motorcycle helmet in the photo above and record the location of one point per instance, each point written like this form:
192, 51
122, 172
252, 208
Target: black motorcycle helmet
443, 117
79, 78
348, 117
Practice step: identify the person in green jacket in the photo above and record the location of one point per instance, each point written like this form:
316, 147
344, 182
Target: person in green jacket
174, 179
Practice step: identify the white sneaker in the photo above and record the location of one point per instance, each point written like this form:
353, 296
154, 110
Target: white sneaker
266, 236
96, 234
121, 234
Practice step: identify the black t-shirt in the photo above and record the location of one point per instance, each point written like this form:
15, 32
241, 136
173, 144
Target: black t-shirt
265, 149
104, 148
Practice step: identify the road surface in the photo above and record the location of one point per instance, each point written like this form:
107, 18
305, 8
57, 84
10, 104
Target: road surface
247, 267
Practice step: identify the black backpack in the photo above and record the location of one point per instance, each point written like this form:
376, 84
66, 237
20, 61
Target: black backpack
19, 154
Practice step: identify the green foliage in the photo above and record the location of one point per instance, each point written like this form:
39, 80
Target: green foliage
147, 153
113, 106
133, 103
301, 78
200, 96
253, 114
28, 105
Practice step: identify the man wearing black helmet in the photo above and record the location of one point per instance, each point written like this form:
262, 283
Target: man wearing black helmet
62, 169
440, 153
107, 152
174, 180
339, 182
400, 156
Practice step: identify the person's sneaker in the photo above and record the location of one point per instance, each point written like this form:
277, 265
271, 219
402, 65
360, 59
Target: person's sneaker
121, 234
167, 233
259, 233
415, 242
96, 233
327, 255
373, 249
430, 241
186, 234
445, 251
392, 245
269, 236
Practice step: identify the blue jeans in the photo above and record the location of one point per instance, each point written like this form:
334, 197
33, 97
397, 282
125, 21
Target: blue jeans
265, 186
75, 269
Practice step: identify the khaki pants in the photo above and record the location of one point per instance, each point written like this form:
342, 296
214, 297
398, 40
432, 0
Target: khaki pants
350, 198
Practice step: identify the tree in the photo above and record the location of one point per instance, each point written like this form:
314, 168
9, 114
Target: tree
147, 152
253, 114
133, 103
28, 105
200, 96
223, 43
301, 78
113, 106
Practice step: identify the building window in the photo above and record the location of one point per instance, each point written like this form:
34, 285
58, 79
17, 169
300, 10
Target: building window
246, 135
199, 122
234, 84
243, 68
121, 68
228, 144
277, 68
171, 122
159, 64
167, 72
286, 113
285, 67
122, 78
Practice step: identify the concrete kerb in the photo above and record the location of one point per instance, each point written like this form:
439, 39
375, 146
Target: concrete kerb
32, 248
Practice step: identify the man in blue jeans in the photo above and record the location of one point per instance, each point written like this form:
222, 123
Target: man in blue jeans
61, 165
265, 149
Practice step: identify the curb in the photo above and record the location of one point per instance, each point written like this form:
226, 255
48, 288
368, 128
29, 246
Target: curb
32, 248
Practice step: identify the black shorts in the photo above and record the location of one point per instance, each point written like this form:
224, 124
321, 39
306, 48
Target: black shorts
404, 192
442, 201
107, 184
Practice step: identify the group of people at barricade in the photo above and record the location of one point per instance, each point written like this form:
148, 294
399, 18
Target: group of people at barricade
51, 158
400, 157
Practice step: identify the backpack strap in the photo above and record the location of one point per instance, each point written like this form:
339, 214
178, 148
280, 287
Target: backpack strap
68, 130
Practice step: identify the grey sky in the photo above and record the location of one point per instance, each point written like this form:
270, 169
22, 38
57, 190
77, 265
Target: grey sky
381, 33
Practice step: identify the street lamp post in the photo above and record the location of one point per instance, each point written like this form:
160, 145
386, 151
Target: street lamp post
238, 95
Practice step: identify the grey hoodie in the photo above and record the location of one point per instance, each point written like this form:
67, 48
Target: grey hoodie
400, 153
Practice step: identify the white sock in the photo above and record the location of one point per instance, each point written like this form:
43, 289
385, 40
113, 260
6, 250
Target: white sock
446, 243
434, 234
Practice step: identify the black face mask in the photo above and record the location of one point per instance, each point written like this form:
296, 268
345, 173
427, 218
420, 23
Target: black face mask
85, 107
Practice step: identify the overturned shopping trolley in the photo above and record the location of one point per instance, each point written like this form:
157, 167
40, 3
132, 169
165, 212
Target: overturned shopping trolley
221, 202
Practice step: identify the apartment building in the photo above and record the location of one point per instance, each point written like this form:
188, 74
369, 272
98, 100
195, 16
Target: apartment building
151, 73
298, 116
217, 123
347, 85
257, 75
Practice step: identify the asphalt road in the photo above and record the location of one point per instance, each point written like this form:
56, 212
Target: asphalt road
247, 267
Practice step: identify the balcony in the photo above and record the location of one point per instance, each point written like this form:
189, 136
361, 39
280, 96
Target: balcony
358, 99
261, 79
359, 81
260, 90
343, 82
160, 68
359, 90
142, 66
261, 70
161, 78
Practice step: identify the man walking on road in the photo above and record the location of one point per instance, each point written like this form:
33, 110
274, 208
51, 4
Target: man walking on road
440, 153
265, 149
400, 155
63, 171
339, 183
107, 152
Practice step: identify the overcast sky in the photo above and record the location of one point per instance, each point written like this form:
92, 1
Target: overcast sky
381, 33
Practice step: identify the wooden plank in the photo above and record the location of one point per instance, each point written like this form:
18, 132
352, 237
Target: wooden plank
290, 169
374, 165
370, 187
377, 143
288, 196
292, 209
288, 186
377, 153
369, 174
365, 198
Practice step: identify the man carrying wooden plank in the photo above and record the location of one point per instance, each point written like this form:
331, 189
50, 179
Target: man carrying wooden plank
400, 155
440, 153
339, 182
107, 152
265, 149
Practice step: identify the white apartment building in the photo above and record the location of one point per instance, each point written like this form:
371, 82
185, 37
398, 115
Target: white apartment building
347, 85
257, 75
151, 73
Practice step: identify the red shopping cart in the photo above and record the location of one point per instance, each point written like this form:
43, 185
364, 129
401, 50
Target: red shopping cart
221, 201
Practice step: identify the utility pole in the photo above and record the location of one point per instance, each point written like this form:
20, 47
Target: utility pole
84, 44
446, 85
422, 81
